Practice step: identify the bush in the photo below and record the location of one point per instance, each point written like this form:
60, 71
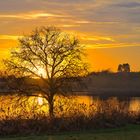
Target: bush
72, 116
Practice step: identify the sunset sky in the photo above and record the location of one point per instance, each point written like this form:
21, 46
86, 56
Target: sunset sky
110, 29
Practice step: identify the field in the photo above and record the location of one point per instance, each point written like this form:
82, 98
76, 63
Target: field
131, 132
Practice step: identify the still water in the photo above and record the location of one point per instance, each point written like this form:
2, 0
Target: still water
133, 103
13, 106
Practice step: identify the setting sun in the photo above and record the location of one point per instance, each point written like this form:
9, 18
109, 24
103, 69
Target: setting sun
41, 72
40, 100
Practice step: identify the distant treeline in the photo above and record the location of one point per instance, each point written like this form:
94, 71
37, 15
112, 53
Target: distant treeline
104, 83
107, 83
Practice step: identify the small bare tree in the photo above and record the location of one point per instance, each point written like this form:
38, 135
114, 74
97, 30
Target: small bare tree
51, 56
124, 67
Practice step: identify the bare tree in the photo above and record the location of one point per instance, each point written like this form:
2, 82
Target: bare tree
120, 68
50, 55
124, 67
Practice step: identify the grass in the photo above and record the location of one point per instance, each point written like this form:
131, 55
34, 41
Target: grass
130, 132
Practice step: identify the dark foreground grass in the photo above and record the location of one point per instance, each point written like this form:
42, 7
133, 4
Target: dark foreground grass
130, 132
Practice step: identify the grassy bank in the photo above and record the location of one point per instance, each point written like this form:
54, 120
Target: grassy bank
131, 132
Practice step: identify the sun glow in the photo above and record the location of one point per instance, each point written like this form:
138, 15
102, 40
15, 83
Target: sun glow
40, 100
41, 72
29, 15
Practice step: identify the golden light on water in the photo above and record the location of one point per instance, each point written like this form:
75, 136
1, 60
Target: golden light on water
134, 105
62, 105
88, 100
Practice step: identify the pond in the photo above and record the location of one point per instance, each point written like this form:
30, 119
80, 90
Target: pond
15, 106
132, 103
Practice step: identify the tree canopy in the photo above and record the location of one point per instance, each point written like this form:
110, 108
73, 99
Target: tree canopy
51, 56
124, 67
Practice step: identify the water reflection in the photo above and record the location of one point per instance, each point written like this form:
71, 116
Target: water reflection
131, 103
12, 106
134, 104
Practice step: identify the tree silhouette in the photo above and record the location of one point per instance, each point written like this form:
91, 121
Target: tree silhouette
54, 53
124, 67
120, 68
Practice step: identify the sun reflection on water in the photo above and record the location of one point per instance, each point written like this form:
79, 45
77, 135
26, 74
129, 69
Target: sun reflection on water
63, 106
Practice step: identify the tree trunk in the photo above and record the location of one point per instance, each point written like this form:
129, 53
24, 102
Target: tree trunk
51, 107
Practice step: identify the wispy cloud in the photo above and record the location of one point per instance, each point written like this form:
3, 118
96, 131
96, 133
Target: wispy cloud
9, 37
83, 21
111, 45
95, 22
97, 38
30, 15
128, 4
68, 25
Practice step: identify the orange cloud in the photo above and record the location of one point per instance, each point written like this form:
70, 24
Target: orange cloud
68, 25
9, 37
111, 45
30, 15
97, 38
